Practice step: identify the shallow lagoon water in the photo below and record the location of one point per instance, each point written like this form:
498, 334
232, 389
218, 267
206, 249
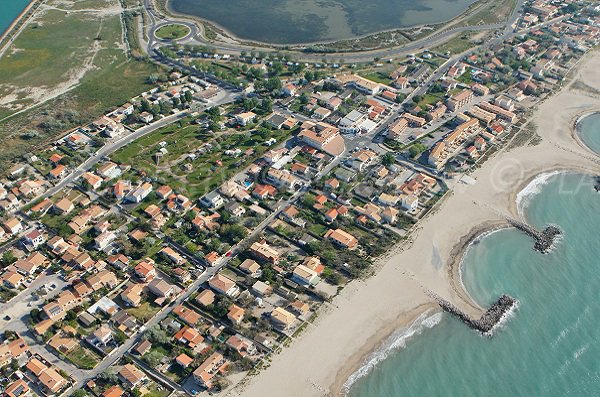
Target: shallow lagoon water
307, 21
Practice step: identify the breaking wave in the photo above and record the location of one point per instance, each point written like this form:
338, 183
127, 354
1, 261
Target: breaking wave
396, 341
534, 187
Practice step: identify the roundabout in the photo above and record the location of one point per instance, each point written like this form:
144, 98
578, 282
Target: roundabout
172, 31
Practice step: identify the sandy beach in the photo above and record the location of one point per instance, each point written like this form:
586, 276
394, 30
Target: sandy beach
366, 313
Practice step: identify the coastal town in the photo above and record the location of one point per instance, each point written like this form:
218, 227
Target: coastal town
176, 244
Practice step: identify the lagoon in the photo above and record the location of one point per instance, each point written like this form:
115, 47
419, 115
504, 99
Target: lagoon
308, 21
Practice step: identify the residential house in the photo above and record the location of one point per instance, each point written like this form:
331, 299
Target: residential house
189, 336
57, 172
282, 319
189, 316
204, 374
206, 297
131, 375
242, 345
102, 336
212, 200
250, 267
64, 206
161, 288
13, 226
33, 239
236, 314
224, 285
92, 180
342, 238
245, 118
263, 192
263, 251
304, 275
132, 295
170, 254
139, 194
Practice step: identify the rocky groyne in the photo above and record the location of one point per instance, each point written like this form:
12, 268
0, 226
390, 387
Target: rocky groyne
544, 240
488, 320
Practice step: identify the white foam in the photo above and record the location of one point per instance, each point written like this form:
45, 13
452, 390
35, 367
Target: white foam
533, 188
580, 351
501, 324
396, 341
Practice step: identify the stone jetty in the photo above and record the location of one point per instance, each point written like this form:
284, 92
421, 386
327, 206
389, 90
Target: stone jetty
488, 320
544, 240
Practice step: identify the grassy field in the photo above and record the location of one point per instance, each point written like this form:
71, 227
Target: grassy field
492, 11
206, 172
457, 44
83, 358
173, 32
143, 312
378, 77
76, 62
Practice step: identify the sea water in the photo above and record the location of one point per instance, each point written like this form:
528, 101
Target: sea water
9, 10
550, 345
589, 131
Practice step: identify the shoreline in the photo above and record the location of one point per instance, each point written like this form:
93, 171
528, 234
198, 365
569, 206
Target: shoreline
430, 260
17, 20
405, 322
575, 129
437, 27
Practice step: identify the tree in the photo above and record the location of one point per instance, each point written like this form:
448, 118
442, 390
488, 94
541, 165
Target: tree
416, 149
388, 159
273, 83
233, 233
188, 96
304, 98
30, 134
146, 107
165, 107
109, 376
266, 106
153, 358
157, 335
8, 258
79, 393
152, 79
136, 392
276, 69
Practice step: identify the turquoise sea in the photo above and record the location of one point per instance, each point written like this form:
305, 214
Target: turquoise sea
9, 10
589, 131
548, 347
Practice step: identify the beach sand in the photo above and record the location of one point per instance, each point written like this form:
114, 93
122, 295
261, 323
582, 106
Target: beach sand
320, 360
